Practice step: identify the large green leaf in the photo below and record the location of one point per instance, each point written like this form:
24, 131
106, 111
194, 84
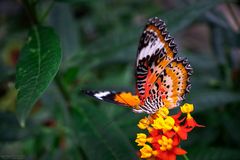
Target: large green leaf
38, 64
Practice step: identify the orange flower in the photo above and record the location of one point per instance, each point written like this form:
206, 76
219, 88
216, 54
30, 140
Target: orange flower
165, 133
190, 122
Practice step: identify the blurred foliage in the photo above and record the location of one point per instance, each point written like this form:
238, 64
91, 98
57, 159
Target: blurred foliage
98, 41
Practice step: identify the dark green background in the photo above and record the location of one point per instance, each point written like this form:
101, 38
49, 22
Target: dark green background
99, 40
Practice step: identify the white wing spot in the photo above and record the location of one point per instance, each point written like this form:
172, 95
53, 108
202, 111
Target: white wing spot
101, 94
150, 49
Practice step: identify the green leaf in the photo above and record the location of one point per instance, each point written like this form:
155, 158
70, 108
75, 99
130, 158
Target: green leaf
38, 64
98, 136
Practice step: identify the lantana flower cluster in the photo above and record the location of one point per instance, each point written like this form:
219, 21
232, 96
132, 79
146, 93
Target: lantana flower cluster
165, 132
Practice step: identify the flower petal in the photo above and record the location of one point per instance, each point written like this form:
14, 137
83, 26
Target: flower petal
179, 151
192, 123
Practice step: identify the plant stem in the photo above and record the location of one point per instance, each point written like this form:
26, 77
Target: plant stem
45, 14
67, 110
63, 90
30, 10
185, 157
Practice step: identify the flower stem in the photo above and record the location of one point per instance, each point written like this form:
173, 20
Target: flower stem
185, 157
63, 91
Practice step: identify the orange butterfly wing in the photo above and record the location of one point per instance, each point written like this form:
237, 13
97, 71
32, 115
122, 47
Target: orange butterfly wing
161, 79
156, 50
119, 98
175, 82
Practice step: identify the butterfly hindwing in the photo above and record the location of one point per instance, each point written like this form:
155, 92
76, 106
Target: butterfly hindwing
120, 98
175, 82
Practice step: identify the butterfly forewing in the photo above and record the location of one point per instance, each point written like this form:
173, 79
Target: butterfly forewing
119, 98
156, 50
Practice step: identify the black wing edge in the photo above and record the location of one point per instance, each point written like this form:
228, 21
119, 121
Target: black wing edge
189, 69
107, 96
161, 25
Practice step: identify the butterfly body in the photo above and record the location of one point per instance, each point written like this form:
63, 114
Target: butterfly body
162, 79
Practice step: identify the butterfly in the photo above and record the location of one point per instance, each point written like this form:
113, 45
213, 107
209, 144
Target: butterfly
162, 78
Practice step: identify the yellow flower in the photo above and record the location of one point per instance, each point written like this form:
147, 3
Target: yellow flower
164, 124
176, 128
141, 139
143, 123
158, 123
165, 143
165, 132
169, 123
163, 112
187, 108
147, 151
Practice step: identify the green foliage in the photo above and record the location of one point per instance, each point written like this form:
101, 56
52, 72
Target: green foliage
187, 15
214, 154
109, 141
98, 46
38, 64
